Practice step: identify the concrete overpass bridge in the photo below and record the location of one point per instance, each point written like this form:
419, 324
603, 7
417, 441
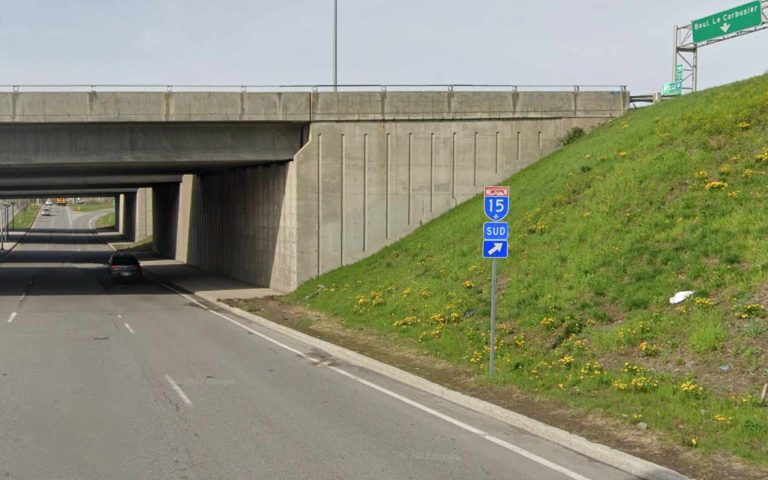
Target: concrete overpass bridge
276, 187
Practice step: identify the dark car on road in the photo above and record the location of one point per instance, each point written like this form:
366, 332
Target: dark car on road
123, 266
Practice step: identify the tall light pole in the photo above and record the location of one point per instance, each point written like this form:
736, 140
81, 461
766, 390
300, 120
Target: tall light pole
335, 30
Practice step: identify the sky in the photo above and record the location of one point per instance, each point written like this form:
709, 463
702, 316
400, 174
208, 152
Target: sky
542, 42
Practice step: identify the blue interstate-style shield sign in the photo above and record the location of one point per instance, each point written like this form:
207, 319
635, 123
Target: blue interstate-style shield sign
495, 231
496, 204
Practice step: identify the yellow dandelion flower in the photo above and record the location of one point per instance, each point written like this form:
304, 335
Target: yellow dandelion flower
715, 185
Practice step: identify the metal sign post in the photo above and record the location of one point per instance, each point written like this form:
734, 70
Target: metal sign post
495, 245
492, 364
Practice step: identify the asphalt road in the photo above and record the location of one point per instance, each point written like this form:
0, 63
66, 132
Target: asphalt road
137, 382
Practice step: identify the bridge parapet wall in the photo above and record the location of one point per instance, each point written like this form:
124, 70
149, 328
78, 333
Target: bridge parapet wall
62, 107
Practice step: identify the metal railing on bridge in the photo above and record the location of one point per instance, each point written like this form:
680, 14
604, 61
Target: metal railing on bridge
305, 87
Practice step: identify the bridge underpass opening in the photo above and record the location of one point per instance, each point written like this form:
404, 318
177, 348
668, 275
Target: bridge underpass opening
56, 269
141, 163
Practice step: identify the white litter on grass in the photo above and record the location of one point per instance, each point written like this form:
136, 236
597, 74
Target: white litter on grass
680, 297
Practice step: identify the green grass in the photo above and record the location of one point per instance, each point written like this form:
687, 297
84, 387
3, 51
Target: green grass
25, 218
603, 232
708, 336
91, 206
106, 221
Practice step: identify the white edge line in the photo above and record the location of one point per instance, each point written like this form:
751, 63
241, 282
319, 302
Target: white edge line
245, 327
13, 316
265, 337
129, 328
464, 426
178, 390
424, 408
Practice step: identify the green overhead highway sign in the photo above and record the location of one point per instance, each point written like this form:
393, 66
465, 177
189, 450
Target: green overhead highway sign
728, 21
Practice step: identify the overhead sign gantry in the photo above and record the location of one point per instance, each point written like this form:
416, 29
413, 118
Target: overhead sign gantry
734, 22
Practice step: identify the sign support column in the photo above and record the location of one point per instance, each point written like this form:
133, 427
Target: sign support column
492, 365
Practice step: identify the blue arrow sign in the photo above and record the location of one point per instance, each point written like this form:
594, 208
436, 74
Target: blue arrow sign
495, 248
495, 231
496, 202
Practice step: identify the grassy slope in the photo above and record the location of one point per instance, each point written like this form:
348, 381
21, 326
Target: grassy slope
603, 233
106, 221
91, 206
26, 217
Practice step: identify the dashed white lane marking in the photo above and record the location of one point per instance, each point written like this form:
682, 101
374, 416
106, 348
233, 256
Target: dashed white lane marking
13, 316
458, 423
129, 328
179, 391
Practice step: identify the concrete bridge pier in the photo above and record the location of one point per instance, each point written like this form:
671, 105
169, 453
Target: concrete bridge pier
117, 200
127, 216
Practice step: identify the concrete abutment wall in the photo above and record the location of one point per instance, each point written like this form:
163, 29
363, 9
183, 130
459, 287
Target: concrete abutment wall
364, 185
165, 213
249, 215
240, 223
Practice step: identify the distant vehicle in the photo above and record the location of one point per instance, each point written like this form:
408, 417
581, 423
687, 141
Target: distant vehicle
123, 266
80, 201
48, 203
61, 201
46, 212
